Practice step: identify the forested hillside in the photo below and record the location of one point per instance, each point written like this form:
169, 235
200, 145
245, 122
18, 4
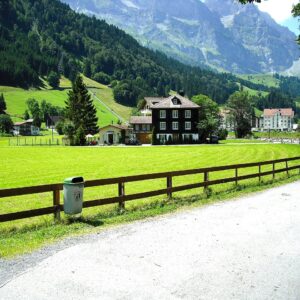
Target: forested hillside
40, 36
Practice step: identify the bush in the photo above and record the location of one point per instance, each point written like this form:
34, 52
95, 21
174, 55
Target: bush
60, 127
102, 78
222, 134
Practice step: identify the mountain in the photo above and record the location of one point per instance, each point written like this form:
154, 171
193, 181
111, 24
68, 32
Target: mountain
221, 34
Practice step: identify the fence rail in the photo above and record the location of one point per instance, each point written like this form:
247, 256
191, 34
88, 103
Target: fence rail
120, 181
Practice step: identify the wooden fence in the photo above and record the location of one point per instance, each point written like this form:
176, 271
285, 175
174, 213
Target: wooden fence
120, 181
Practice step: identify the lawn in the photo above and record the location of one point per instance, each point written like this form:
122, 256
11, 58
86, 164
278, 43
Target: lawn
27, 166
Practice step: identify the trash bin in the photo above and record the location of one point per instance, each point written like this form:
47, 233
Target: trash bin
73, 195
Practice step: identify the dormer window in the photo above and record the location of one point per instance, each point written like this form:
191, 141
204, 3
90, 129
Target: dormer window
176, 101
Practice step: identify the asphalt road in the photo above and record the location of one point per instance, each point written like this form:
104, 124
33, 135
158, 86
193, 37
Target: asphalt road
243, 249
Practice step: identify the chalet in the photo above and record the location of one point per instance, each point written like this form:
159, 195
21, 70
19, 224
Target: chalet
173, 119
26, 128
141, 128
278, 119
114, 134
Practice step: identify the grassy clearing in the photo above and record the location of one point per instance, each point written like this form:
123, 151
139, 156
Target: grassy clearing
27, 166
265, 79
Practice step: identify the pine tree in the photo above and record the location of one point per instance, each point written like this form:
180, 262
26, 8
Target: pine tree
80, 109
2, 104
26, 115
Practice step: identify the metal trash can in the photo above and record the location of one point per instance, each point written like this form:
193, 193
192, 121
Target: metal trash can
73, 195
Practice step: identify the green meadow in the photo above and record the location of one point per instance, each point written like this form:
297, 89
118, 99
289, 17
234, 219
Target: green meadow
29, 166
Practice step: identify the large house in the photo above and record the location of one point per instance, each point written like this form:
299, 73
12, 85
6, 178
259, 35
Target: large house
26, 128
278, 119
173, 119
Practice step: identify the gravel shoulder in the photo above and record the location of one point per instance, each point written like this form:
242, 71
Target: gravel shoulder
243, 249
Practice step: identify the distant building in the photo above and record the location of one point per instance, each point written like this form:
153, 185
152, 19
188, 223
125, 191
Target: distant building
226, 120
142, 128
278, 119
26, 128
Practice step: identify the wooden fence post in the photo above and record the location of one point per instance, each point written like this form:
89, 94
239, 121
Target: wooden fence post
273, 170
56, 204
169, 187
206, 179
121, 188
287, 166
259, 172
236, 176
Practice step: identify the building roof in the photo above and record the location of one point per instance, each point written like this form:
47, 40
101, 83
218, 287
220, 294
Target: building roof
121, 127
175, 101
140, 120
23, 122
150, 101
283, 112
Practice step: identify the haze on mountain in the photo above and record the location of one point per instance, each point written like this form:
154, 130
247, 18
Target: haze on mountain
221, 34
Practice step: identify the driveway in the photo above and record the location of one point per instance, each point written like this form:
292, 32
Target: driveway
243, 249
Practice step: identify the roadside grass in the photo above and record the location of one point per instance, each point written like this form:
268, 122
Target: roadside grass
28, 166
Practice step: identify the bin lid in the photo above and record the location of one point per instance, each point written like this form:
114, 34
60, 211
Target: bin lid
74, 180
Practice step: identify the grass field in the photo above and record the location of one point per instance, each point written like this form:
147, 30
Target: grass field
264, 79
16, 100
29, 166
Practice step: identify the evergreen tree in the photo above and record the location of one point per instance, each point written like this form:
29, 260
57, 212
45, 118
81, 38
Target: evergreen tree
6, 124
2, 104
26, 115
53, 79
80, 109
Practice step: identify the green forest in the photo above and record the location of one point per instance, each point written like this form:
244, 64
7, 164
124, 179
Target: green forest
41, 38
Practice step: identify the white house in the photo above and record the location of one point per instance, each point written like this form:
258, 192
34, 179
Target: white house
278, 119
113, 134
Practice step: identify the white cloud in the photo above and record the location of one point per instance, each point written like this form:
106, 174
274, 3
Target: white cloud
280, 10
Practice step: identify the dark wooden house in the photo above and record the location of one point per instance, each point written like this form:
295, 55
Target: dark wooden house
174, 119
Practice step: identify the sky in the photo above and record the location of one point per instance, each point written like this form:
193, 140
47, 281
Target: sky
280, 10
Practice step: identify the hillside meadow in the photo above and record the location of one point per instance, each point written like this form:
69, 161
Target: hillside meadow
16, 100
29, 166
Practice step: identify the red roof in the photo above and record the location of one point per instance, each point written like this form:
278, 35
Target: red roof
282, 111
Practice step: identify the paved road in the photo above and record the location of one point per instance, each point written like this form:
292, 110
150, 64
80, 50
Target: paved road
244, 249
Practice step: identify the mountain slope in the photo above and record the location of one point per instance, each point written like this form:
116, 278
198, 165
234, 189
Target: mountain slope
39, 36
216, 33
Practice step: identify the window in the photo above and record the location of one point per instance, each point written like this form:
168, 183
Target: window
175, 125
162, 114
162, 125
137, 127
175, 114
188, 126
188, 114
144, 127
